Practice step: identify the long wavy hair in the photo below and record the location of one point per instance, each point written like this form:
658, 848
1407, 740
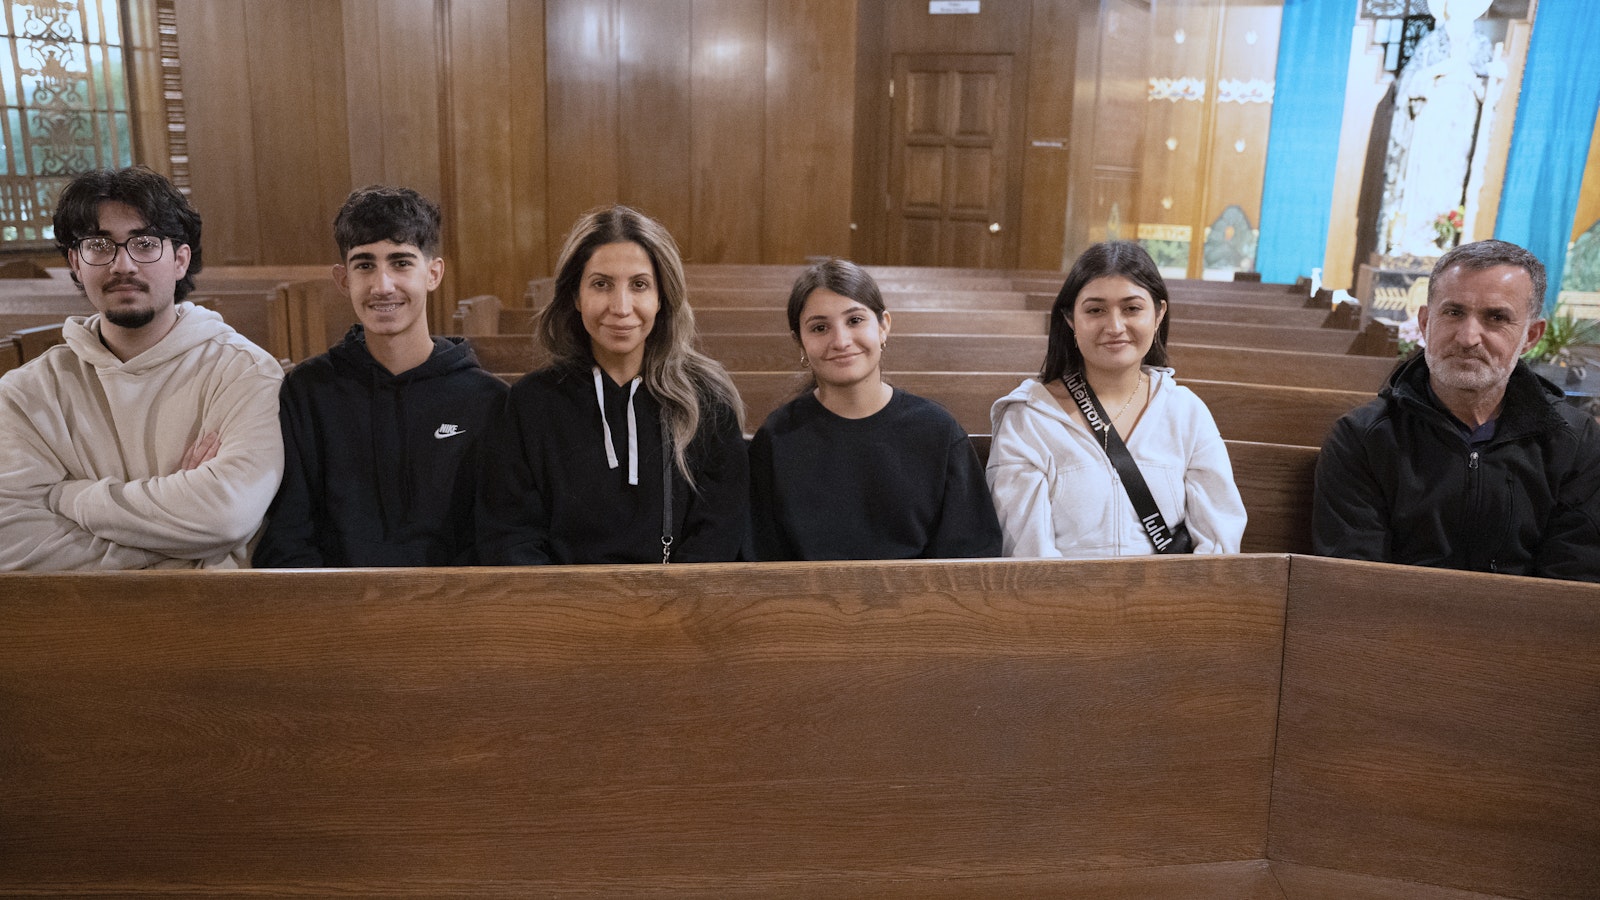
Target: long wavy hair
840, 276
1124, 258
681, 378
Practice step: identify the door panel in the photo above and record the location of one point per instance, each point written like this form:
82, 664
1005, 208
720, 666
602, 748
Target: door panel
949, 161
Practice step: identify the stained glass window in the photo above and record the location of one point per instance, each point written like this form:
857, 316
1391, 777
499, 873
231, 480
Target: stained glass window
64, 108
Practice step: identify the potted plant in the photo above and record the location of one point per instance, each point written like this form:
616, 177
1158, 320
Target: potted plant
1559, 355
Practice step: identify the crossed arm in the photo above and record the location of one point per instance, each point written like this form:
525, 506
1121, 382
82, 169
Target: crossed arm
52, 517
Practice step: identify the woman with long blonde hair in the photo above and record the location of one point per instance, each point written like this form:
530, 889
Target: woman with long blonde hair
627, 446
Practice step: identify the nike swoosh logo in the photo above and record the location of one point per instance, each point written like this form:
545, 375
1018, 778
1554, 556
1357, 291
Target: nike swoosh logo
445, 431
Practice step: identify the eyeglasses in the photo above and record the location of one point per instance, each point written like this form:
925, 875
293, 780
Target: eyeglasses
101, 251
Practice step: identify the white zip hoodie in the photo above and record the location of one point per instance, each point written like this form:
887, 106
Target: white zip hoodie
1057, 494
90, 448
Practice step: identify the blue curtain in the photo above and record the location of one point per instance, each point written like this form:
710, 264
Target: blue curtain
1303, 142
1555, 121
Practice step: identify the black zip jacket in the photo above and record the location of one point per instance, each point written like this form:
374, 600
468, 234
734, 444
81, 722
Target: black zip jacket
379, 469
1397, 482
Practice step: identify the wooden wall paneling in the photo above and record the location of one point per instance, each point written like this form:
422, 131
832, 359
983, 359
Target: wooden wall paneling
873, 109
147, 105
363, 23
581, 118
1176, 150
297, 101
479, 228
1046, 151
1085, 120
533, 233
1108, 120
996, 28
654, 42
810, 128
410, 66
1247, 58
221, 132
727, 122
1118, 140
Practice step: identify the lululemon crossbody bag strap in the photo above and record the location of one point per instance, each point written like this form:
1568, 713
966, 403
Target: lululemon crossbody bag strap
666, 493
1166, 540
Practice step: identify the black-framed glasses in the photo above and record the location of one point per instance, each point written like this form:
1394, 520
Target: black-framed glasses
100, 251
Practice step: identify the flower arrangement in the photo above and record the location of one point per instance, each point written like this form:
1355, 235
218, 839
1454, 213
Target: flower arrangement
1410, 337
1448, 227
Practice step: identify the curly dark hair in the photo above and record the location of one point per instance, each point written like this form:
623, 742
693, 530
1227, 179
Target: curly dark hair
165, 211
381, 213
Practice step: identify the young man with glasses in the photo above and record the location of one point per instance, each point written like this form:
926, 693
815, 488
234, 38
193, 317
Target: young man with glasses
381, 432
149, 439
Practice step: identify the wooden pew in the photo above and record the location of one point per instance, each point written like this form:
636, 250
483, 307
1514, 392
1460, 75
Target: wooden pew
254, 313
999, 353
10, 355
232, 278
1244, 412
481, 315
1450, 737
314, 315
22, 269
1007, 319
31, 342
1211, 311
741, 297
1275, 482
974, 322
1225, 727
16, 321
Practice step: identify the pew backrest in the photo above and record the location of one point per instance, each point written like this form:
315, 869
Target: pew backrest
621, 730
1440, 727
1248, 726
1243, 412
31, 342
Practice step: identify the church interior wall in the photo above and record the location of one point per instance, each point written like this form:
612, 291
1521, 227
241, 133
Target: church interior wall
756, 130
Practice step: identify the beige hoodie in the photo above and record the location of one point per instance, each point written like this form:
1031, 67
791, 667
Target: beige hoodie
90, 448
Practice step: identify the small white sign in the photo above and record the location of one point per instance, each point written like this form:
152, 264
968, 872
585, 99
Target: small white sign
953, 7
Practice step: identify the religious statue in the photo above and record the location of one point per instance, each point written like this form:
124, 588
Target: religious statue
1443, 101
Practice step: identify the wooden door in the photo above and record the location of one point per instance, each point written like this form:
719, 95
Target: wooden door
949, 160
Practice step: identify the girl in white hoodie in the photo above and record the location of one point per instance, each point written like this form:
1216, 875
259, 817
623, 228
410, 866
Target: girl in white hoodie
1055, 489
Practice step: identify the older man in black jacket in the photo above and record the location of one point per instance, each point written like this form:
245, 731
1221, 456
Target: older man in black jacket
1467, 459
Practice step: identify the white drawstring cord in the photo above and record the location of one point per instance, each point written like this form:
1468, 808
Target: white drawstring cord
633, 427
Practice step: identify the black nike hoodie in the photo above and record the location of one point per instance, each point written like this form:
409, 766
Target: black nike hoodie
379, 469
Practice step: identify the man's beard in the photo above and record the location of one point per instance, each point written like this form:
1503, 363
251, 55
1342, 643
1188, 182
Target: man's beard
1456, 372
131, 318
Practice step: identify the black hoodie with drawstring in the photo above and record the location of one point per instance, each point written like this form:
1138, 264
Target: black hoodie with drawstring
379, 469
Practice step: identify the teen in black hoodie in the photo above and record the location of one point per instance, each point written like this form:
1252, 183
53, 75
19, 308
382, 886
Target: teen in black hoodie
381, 433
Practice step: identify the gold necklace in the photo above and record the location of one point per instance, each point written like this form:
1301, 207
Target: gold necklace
1105, 436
